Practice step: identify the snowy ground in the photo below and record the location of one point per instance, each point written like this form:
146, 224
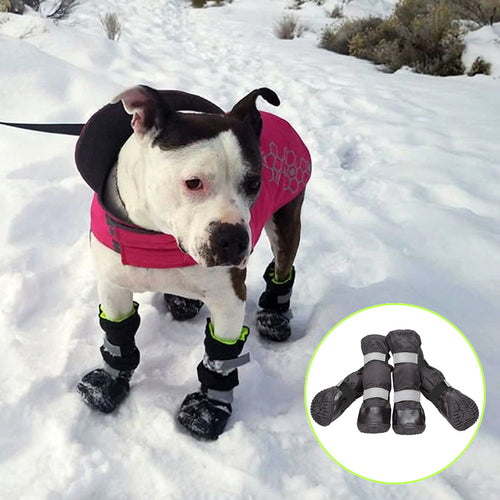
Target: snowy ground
403, 206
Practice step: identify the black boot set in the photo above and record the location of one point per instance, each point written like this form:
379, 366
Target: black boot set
411, 376
204, 413
273, 320
105, 388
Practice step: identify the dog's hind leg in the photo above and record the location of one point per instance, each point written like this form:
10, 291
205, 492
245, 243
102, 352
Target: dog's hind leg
283, 231
204, 414
182, 308
104, 389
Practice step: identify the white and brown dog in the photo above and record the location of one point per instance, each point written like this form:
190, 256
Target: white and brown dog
182, 196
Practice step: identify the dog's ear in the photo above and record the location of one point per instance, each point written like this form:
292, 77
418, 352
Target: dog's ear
246, 110
147, 108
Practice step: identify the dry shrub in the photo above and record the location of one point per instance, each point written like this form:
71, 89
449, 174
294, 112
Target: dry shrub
4, 5
421, 34
481, 12
479, 67
297, 4
199, 4
63, 9
111, 25
337, 12
338, 39
288, 27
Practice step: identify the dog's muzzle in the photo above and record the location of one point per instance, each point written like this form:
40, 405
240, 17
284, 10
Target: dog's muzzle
228, 244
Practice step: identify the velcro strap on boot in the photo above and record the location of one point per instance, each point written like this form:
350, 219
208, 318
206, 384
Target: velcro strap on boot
406, 395
277, 295
126, 362
375, 392
437, 391
216, 381
224, 396
115, 373
348, 393
405, 357
218, 369
119, 350
225, 366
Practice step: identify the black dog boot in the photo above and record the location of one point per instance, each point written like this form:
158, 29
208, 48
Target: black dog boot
181, 308
330, 403
104, 389
273, 320
408, 416
375, 412
457, 408
204, 414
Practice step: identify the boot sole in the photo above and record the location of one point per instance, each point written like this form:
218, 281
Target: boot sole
408, 430
373, 428
322, 407
463, 411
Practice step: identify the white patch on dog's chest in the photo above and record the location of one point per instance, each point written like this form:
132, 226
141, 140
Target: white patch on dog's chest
192, 281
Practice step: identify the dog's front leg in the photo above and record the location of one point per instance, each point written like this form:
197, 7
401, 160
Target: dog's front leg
105, 388
205, 413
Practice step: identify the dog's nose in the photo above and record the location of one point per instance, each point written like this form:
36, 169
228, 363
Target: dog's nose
229, 243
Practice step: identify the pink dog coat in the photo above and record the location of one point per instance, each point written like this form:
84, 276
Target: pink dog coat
286, 169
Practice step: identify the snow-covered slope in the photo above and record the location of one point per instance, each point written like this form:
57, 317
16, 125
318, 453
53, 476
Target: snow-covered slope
403, 206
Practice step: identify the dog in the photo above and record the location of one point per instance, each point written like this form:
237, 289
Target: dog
182, 193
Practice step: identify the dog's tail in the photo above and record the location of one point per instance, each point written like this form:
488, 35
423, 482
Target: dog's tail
50, 128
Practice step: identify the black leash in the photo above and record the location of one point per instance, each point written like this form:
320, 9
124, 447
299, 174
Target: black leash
50, 128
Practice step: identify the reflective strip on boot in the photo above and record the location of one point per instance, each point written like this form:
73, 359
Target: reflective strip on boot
118, 373
374, 356
375, 392
114, 350
283, 299
226, 366
406, 395
405, 357
223, 396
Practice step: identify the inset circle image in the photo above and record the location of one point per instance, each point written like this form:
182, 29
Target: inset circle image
395, 393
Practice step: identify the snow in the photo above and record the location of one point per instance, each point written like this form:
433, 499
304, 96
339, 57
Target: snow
403, 207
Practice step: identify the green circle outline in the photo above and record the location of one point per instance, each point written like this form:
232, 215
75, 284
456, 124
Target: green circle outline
417, 307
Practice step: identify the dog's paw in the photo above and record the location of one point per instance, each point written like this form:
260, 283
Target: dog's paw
182, 308
101, 391
202, 417
273, 326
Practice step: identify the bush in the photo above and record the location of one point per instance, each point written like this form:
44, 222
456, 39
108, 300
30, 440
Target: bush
63, 9
4, 5
111, 25
297, 4
479, 67
288, 27
481, 12
422, 34
338, 39
337, 12
199, 4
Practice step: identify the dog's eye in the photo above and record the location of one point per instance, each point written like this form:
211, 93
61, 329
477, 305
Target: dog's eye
252, 184
194, 184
